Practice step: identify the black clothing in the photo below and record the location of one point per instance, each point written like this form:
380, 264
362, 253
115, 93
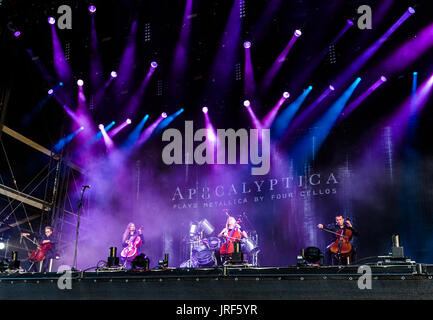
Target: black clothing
332, 258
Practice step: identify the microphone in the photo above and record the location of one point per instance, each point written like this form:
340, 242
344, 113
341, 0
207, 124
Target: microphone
87, 186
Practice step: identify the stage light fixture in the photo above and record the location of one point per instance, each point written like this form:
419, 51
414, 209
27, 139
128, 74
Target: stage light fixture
312, 255
60, 83
298, 33
415, 73
17, 34
286, 95
205, 109
128, 121
14, 263
51, 20
50, 92
154, 64
247, 44
92, 9
101, 126
164, 115
141, 262
163, 264
81, 128
80, 82
247, 103
113, 74
411, 10
331, 87
113, 260
2, 244
383, 78
349, 22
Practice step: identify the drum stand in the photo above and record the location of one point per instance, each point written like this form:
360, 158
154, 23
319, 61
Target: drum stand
255, 256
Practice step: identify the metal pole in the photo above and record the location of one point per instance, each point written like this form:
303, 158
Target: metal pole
80, 206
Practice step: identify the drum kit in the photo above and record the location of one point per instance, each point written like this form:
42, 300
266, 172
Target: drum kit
201, 246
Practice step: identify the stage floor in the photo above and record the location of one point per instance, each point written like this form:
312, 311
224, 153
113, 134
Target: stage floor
394, 281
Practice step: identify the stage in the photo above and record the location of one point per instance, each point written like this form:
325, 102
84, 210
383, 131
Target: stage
286, 136
394, 281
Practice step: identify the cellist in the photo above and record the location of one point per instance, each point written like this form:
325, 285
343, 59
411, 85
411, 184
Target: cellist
343, 225
48, 237
232, 232
132, 239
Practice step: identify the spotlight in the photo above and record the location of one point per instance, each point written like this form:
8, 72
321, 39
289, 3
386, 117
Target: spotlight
50, 92
204, 109
349, 22
310, 88
331, 87
247, 44
51, 20
298, 33
383, 78
17, 34
415, 73
164, 115
101, 126
113, 123
81, 128
154, 64
60, 83
411, 10
247, 103
113, 260
80, 82
92, 9
113, 74
128, 121
2, 245
141, 262
286, 95
312, 255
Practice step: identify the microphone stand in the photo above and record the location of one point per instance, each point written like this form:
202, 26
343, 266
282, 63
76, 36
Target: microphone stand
80, 206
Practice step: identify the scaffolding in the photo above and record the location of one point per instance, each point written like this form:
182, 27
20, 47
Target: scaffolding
44, 200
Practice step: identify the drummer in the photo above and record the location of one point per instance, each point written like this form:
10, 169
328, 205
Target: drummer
232, 232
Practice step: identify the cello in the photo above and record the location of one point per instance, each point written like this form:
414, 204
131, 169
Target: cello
131, 251
40, 253
229, 239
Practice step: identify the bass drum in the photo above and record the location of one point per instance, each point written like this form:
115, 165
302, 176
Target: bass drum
214, 243
203, 255
205, 258
249, 246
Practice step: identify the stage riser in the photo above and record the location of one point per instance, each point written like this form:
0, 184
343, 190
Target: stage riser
222, 289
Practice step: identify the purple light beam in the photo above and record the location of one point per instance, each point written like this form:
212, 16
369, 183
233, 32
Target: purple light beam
278, 63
